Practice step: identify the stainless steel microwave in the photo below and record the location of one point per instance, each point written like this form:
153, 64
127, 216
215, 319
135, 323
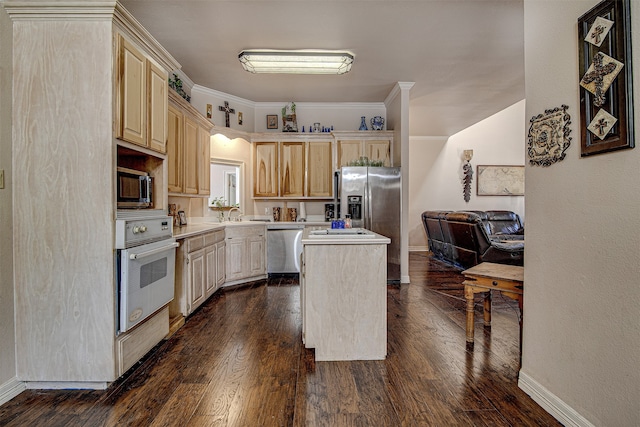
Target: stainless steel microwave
134, 189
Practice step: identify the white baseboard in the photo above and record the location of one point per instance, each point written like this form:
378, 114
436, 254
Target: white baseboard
11, 389
551, 403
66, 385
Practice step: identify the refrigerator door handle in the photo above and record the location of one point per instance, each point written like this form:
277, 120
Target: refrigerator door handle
368, 220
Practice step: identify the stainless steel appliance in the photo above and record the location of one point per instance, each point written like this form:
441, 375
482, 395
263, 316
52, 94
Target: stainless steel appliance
284, 246
372, 196
146, 256
330, 210
134, 189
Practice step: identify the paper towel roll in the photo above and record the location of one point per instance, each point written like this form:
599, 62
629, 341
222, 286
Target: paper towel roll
303, 211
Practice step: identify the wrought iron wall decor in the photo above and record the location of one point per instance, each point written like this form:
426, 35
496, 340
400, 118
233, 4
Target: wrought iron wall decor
606, 92
467, 171
548, 137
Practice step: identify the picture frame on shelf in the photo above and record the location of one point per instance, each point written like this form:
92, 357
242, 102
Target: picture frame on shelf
183, 218
272, 121
606, 78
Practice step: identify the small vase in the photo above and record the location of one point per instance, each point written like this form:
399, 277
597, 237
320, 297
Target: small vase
377, 123
363, 123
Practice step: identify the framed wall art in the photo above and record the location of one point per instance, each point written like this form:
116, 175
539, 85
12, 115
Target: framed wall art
548, 137
492, 180
272, 121
606, 93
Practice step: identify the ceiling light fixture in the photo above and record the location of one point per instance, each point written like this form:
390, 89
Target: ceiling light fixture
296, 61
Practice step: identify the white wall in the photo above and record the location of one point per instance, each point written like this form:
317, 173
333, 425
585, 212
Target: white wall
436, 163
342, 116
7, 336
582, 299
201, 96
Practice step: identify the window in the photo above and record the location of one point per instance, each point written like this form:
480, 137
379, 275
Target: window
226, 183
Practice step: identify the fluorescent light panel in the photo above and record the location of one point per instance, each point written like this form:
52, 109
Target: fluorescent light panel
296, 61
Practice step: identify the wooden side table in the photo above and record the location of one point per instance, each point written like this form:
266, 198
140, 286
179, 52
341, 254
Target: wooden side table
508, 279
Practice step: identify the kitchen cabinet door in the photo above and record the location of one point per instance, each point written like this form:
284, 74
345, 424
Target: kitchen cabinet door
256, 255
378, 151
265, 169
174, 149
197, 276
191, 156
204, 161
211, 261
348, 151
292, 169
319, 170
133, 94
221, 250
158, 103
236, 252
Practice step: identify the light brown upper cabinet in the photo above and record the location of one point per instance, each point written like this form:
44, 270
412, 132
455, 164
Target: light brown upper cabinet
188, 148
265, 169
174, 149
292, 168
319, 169
348, 151
204, 161
141, 108
378, 151
376, 146
190, 156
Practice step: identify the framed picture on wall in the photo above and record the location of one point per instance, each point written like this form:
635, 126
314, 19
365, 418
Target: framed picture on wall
606, 92
272, 121
500, 180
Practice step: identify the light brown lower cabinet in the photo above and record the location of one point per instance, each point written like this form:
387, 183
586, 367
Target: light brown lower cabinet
199, 271
245, 251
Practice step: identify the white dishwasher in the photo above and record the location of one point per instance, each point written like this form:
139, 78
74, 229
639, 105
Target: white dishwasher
284, 247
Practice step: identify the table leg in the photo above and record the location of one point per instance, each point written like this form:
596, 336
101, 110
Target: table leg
487, 309
468, 294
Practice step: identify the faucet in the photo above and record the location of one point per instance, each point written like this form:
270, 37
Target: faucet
234, 209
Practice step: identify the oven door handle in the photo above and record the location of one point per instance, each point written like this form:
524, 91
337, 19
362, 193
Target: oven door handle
154, 251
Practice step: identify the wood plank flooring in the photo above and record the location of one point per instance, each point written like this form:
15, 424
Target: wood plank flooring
239, 361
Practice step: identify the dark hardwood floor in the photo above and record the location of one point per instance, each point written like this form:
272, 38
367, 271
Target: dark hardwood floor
239, 361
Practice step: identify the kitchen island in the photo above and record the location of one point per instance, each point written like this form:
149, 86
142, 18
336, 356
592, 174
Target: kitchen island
343, 291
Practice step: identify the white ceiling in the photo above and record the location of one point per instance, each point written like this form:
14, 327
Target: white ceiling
466, 57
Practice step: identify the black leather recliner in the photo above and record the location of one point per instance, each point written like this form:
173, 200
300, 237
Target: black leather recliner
463, 238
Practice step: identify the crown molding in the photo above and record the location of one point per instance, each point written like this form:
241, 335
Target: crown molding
222, 95
397, 89
19, 10
359, 106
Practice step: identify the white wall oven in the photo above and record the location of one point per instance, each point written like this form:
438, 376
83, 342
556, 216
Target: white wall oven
146, 256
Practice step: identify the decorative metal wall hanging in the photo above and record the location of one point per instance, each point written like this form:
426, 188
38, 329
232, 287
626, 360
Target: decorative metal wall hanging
467, 171
227, 111
606, 93
548, 137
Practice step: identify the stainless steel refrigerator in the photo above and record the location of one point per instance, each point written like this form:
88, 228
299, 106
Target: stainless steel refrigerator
372, 197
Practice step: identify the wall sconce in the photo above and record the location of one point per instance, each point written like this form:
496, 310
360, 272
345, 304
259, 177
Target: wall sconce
467, 171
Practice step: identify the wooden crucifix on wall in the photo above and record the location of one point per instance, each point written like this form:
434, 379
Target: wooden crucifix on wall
227, 111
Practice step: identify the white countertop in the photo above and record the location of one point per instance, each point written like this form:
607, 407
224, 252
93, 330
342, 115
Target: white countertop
344, 239
194, 228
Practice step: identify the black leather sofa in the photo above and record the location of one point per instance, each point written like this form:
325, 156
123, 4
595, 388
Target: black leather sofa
467, 238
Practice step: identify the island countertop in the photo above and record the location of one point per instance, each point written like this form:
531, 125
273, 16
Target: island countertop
344, 239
